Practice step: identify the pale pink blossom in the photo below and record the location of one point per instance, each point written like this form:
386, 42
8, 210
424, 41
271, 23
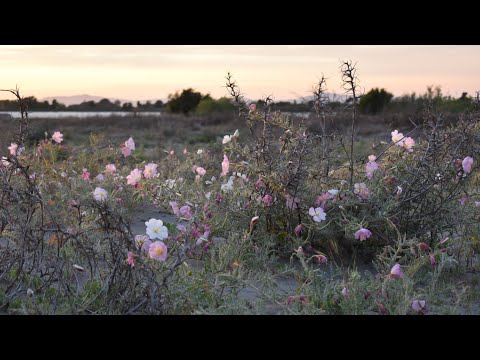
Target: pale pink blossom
128, 147
372, 158
363, 234
318, 214
322, 199
110, 168
252, 107
85, 175
150, 170
259, 184
299, 229
200, 171
134, 177
267, 200
361, 190
418, 305
225, 165
175, 208
13, 148
158, 251
433, 261
370, 168
186, 212
100, 194
467, 164
143, 242
292, 202
344, 291
396, 272
131, 259
100, 177
57, 137
408, 144
397, 138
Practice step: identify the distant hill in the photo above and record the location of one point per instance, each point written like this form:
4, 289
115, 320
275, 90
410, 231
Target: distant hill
78, 99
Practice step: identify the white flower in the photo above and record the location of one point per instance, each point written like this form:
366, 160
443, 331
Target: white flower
397, 138
236, 133
226, 139
156, 230
100, 194
229, 185
318, 214
63, 174
333, 192
199, 152
399, 190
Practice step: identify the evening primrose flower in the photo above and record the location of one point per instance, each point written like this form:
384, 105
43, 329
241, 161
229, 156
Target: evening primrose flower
361, 190
200, 171
225, 165
57, 137
467, 164
131, 259
370, 168
100, 194
128, 147
110, 168
363, 234
13, 148
186, 212
408, 144
150, 170
418, 305
396, 272
134, 177
226, 139
397, 138
156, 229
158, 251
318, 214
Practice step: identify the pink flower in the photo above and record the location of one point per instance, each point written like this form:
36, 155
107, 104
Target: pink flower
433, 261
186, 212
372, 158
363, 234
100, 177
150, 170
418, 305
57, 137
408, 144
13, 148
467, 164
397, 138
200, 171
252, 107
370, 168
396, 272
299, 229
128, 147
322, 199
259, 184
225, 165
318, 214
85, 175
424, 246
158, 251
292, 202
361, 190
143, 242
174, 206
321, 259
110, 168
134, 177
267, 200
131, 259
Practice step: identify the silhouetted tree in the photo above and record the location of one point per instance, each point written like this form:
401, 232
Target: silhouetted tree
374, 101
185, 102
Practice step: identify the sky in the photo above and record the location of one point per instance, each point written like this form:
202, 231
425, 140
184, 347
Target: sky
139, 72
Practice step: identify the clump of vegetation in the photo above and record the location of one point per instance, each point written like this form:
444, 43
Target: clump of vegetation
271, 217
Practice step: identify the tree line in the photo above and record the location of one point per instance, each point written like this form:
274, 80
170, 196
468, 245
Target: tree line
189, 101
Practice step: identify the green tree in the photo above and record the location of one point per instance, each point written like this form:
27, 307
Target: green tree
208, 106
374, 101
185, 102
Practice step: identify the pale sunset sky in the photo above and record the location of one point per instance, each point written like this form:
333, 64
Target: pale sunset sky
140, 72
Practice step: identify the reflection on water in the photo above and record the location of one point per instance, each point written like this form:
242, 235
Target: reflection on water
75, 114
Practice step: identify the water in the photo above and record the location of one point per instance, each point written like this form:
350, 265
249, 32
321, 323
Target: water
75, 114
